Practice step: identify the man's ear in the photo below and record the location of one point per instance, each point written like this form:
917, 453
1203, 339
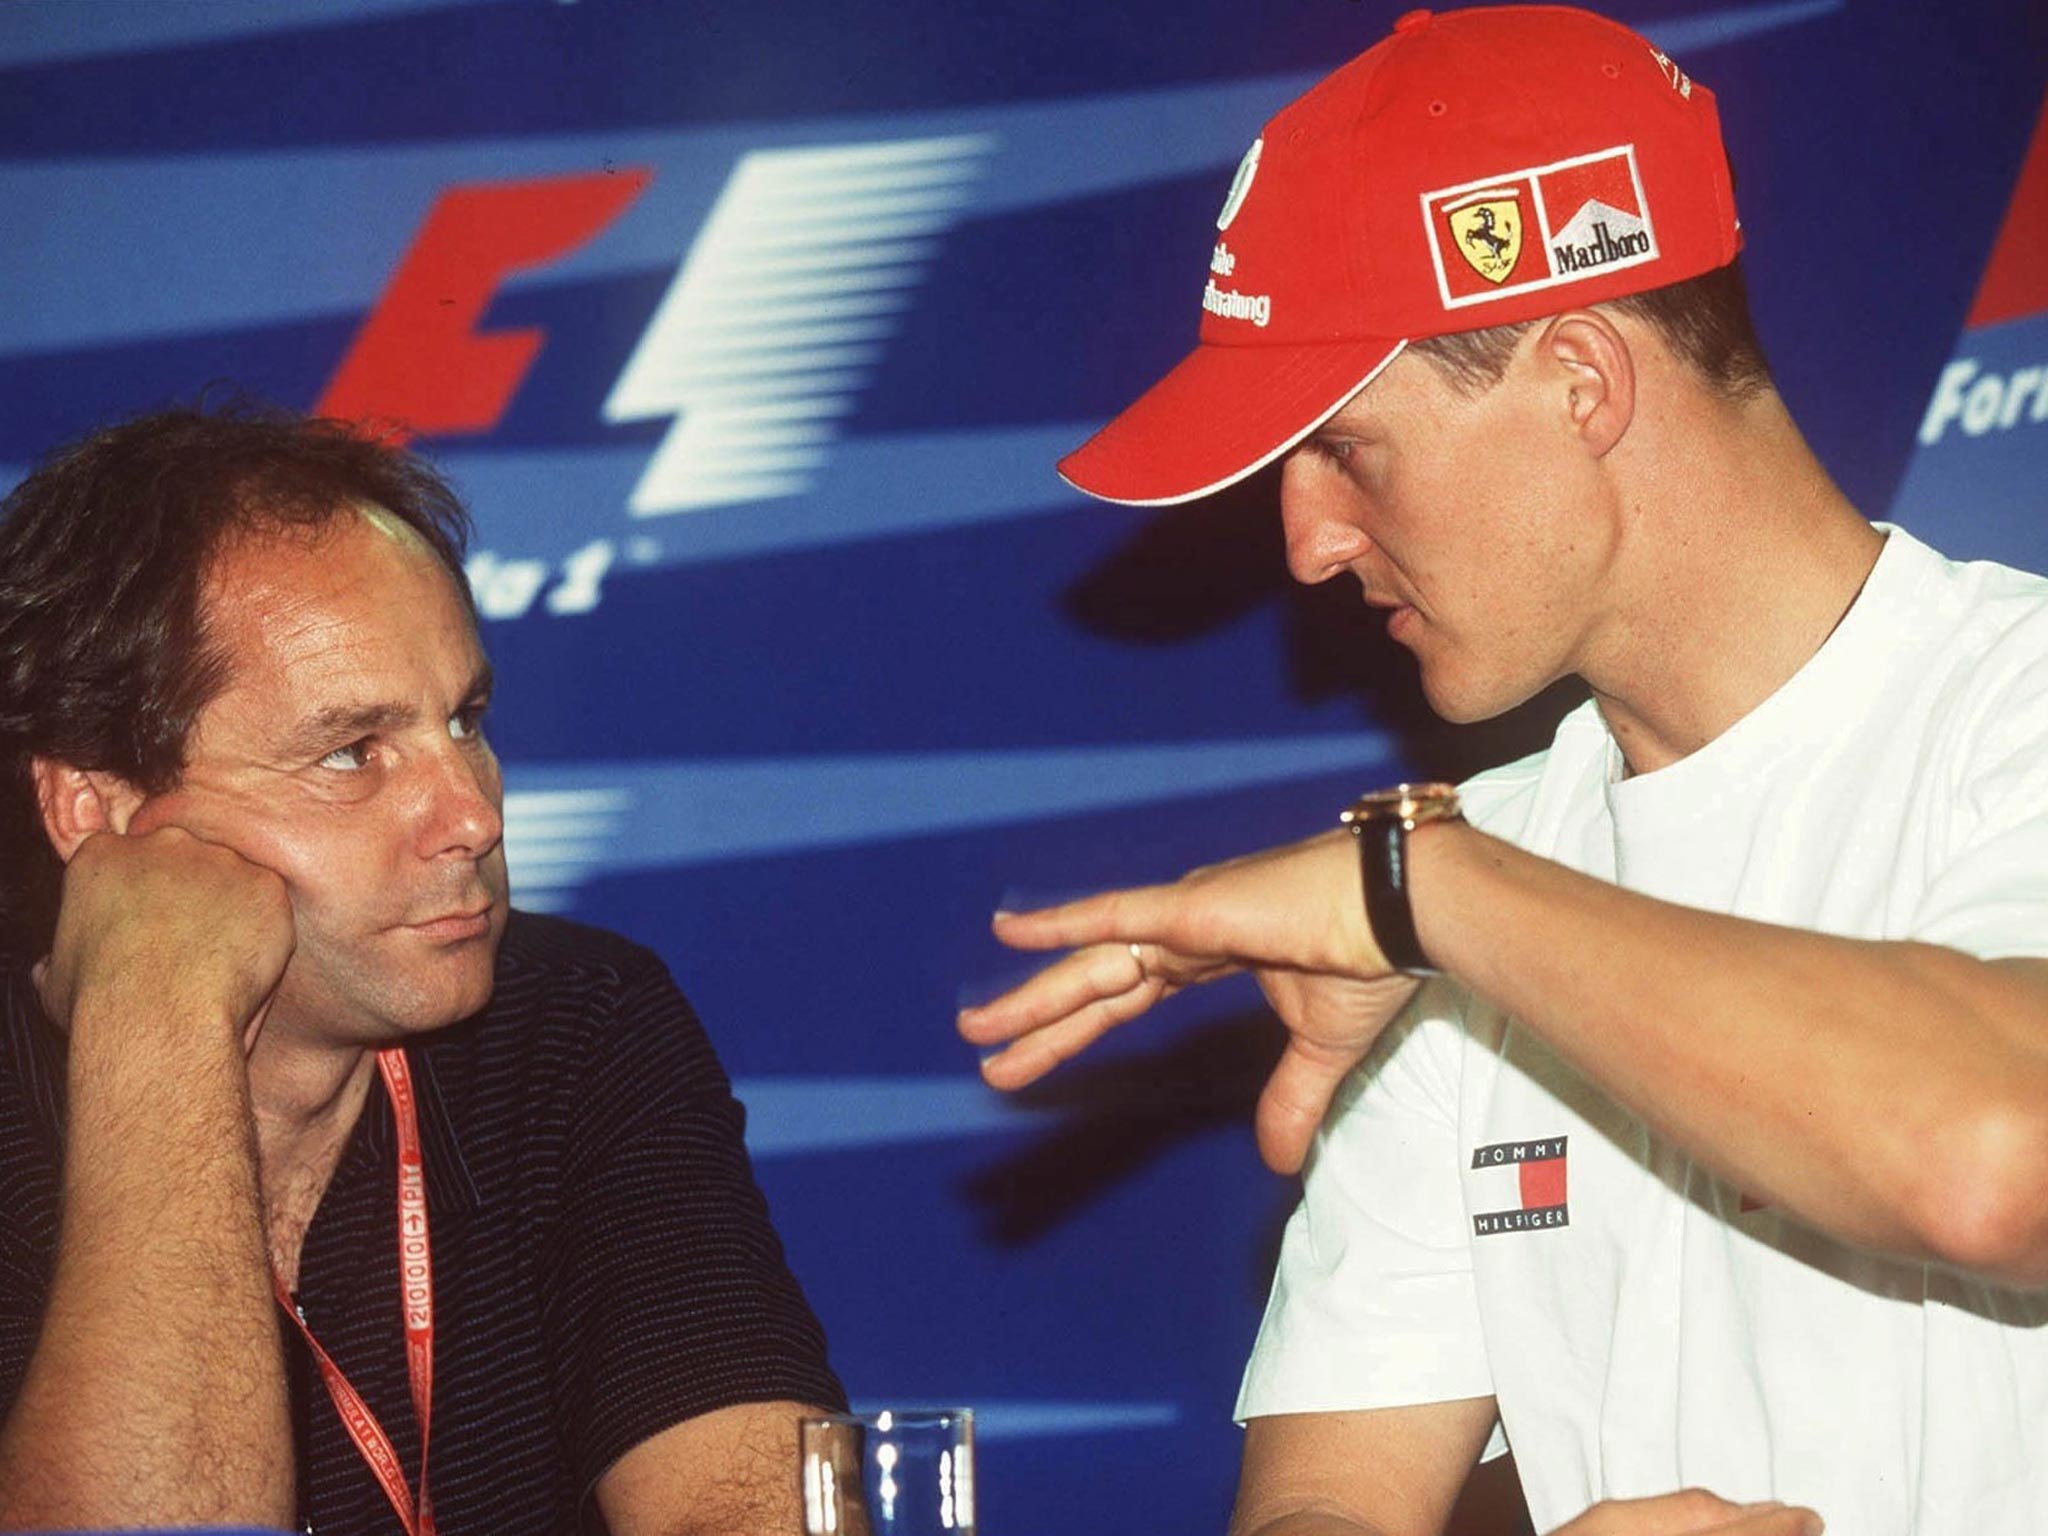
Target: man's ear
76, 803
1596, 373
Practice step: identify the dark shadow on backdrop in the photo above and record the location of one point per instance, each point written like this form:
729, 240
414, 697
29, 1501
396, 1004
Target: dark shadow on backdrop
1202, 567
1116, 1117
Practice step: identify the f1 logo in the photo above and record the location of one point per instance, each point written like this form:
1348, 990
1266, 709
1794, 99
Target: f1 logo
419, 364
768, 331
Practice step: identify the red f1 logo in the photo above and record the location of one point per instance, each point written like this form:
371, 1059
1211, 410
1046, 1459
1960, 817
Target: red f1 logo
419, 364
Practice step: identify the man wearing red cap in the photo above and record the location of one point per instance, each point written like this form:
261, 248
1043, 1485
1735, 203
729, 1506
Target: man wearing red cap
1701, 1140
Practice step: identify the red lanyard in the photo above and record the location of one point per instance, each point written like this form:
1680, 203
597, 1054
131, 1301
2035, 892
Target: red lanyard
416, 1297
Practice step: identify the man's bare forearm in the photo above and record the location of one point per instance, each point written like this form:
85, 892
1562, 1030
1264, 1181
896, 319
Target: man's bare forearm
156, 1393
1361, 1472
1307, 1523
1893, 1094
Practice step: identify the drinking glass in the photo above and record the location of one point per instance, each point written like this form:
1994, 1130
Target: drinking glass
894, 1472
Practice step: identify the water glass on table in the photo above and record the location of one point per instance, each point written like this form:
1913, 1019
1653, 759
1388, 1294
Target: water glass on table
893, 1472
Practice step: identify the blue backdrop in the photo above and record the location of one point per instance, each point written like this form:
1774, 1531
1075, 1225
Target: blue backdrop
751, 331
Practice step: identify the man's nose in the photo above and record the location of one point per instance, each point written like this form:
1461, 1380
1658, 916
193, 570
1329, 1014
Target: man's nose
1322, 537
464, 799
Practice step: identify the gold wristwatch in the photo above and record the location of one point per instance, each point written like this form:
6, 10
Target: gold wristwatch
1381, 822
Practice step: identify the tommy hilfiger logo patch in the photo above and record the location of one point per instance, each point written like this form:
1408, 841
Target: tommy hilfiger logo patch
1531, 1174
1538, 227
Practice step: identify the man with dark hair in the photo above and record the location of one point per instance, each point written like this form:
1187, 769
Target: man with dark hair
1677, 1113
330, 1187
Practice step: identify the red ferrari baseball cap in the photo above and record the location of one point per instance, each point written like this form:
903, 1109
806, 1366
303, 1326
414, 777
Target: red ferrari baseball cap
1472, 169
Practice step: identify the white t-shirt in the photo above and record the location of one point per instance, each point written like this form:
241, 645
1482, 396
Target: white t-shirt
1479, 1219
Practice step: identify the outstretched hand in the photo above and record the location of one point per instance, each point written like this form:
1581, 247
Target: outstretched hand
1293, 916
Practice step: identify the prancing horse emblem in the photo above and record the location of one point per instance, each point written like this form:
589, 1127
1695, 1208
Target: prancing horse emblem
1489, 233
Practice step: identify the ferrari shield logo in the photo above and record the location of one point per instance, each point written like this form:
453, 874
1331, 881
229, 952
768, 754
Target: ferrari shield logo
1487, 230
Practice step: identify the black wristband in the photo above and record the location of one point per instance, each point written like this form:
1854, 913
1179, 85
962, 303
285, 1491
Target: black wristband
1383, 861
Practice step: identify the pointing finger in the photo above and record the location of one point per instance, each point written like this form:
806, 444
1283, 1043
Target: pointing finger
1065, 986
1144, 914
1037, 1053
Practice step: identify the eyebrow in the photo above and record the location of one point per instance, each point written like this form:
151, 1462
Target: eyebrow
344, 723
1339, 427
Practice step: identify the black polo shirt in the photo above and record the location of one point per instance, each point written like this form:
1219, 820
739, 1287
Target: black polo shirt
603, 1262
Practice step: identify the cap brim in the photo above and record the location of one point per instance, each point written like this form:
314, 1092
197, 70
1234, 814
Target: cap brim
1221, 414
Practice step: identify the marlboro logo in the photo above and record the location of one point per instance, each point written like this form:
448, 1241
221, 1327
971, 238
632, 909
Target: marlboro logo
1539, 227
1525, 1183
